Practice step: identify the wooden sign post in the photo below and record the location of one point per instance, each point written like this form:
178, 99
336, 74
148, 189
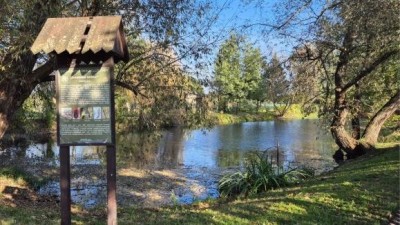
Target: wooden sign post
86, 49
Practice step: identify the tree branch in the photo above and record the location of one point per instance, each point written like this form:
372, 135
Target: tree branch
130, 87
363, 73
373, 128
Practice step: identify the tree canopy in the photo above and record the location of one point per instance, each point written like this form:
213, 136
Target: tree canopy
168, 25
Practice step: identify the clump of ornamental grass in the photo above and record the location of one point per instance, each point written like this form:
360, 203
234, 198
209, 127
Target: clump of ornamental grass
260, 175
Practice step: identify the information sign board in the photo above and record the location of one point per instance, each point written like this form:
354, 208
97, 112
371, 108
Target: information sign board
84, 101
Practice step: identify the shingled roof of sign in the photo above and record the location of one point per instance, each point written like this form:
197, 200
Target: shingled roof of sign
89, 38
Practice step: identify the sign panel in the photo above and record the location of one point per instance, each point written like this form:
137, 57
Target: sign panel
84, 101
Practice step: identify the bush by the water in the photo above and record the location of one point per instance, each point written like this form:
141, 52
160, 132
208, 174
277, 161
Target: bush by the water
260, 175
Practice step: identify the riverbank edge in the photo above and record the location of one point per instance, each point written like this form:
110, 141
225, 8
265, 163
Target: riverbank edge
294, 113
361, 191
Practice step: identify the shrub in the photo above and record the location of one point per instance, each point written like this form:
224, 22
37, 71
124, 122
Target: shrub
260, 175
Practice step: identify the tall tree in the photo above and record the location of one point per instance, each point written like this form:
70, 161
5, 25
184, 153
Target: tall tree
278, 86
354, 44
228, 72
238, 72
252, 74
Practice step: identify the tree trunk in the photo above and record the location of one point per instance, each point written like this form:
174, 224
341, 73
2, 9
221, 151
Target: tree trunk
356, 127
374, 126
15, 90
12, 97
355, 121
3, 124
338, 126
344, 140
356, 147
258, 103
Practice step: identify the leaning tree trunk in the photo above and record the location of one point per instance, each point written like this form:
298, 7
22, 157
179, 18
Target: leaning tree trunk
343, 139
374, 126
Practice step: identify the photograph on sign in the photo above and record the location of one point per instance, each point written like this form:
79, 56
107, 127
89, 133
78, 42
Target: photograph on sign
84, 105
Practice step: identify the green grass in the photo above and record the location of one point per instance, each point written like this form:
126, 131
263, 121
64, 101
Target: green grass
362, 191
21, 176
27, 216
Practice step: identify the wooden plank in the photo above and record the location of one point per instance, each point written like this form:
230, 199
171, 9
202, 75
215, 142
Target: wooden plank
111, 186
65, 185
111, 155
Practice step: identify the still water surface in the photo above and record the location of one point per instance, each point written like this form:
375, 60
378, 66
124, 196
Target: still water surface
301, 142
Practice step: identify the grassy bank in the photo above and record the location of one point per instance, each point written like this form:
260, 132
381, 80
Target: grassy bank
294, 112
363, 191
226, 118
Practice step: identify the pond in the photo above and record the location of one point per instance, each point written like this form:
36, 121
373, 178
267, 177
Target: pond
178, 165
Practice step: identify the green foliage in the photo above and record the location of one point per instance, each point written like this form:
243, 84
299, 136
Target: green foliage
252, 69
237, 73
36, 118
168, 96
228, 72
258, 176
278, 86
225, 118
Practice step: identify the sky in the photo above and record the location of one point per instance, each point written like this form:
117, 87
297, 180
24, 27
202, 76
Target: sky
242, 16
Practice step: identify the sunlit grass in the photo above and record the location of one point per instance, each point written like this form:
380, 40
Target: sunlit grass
294, 112
226, 118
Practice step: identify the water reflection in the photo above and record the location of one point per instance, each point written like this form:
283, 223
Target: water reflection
151, 150
301, 142
170, 148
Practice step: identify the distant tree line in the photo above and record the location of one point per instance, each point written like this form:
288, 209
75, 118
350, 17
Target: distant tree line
243, 75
